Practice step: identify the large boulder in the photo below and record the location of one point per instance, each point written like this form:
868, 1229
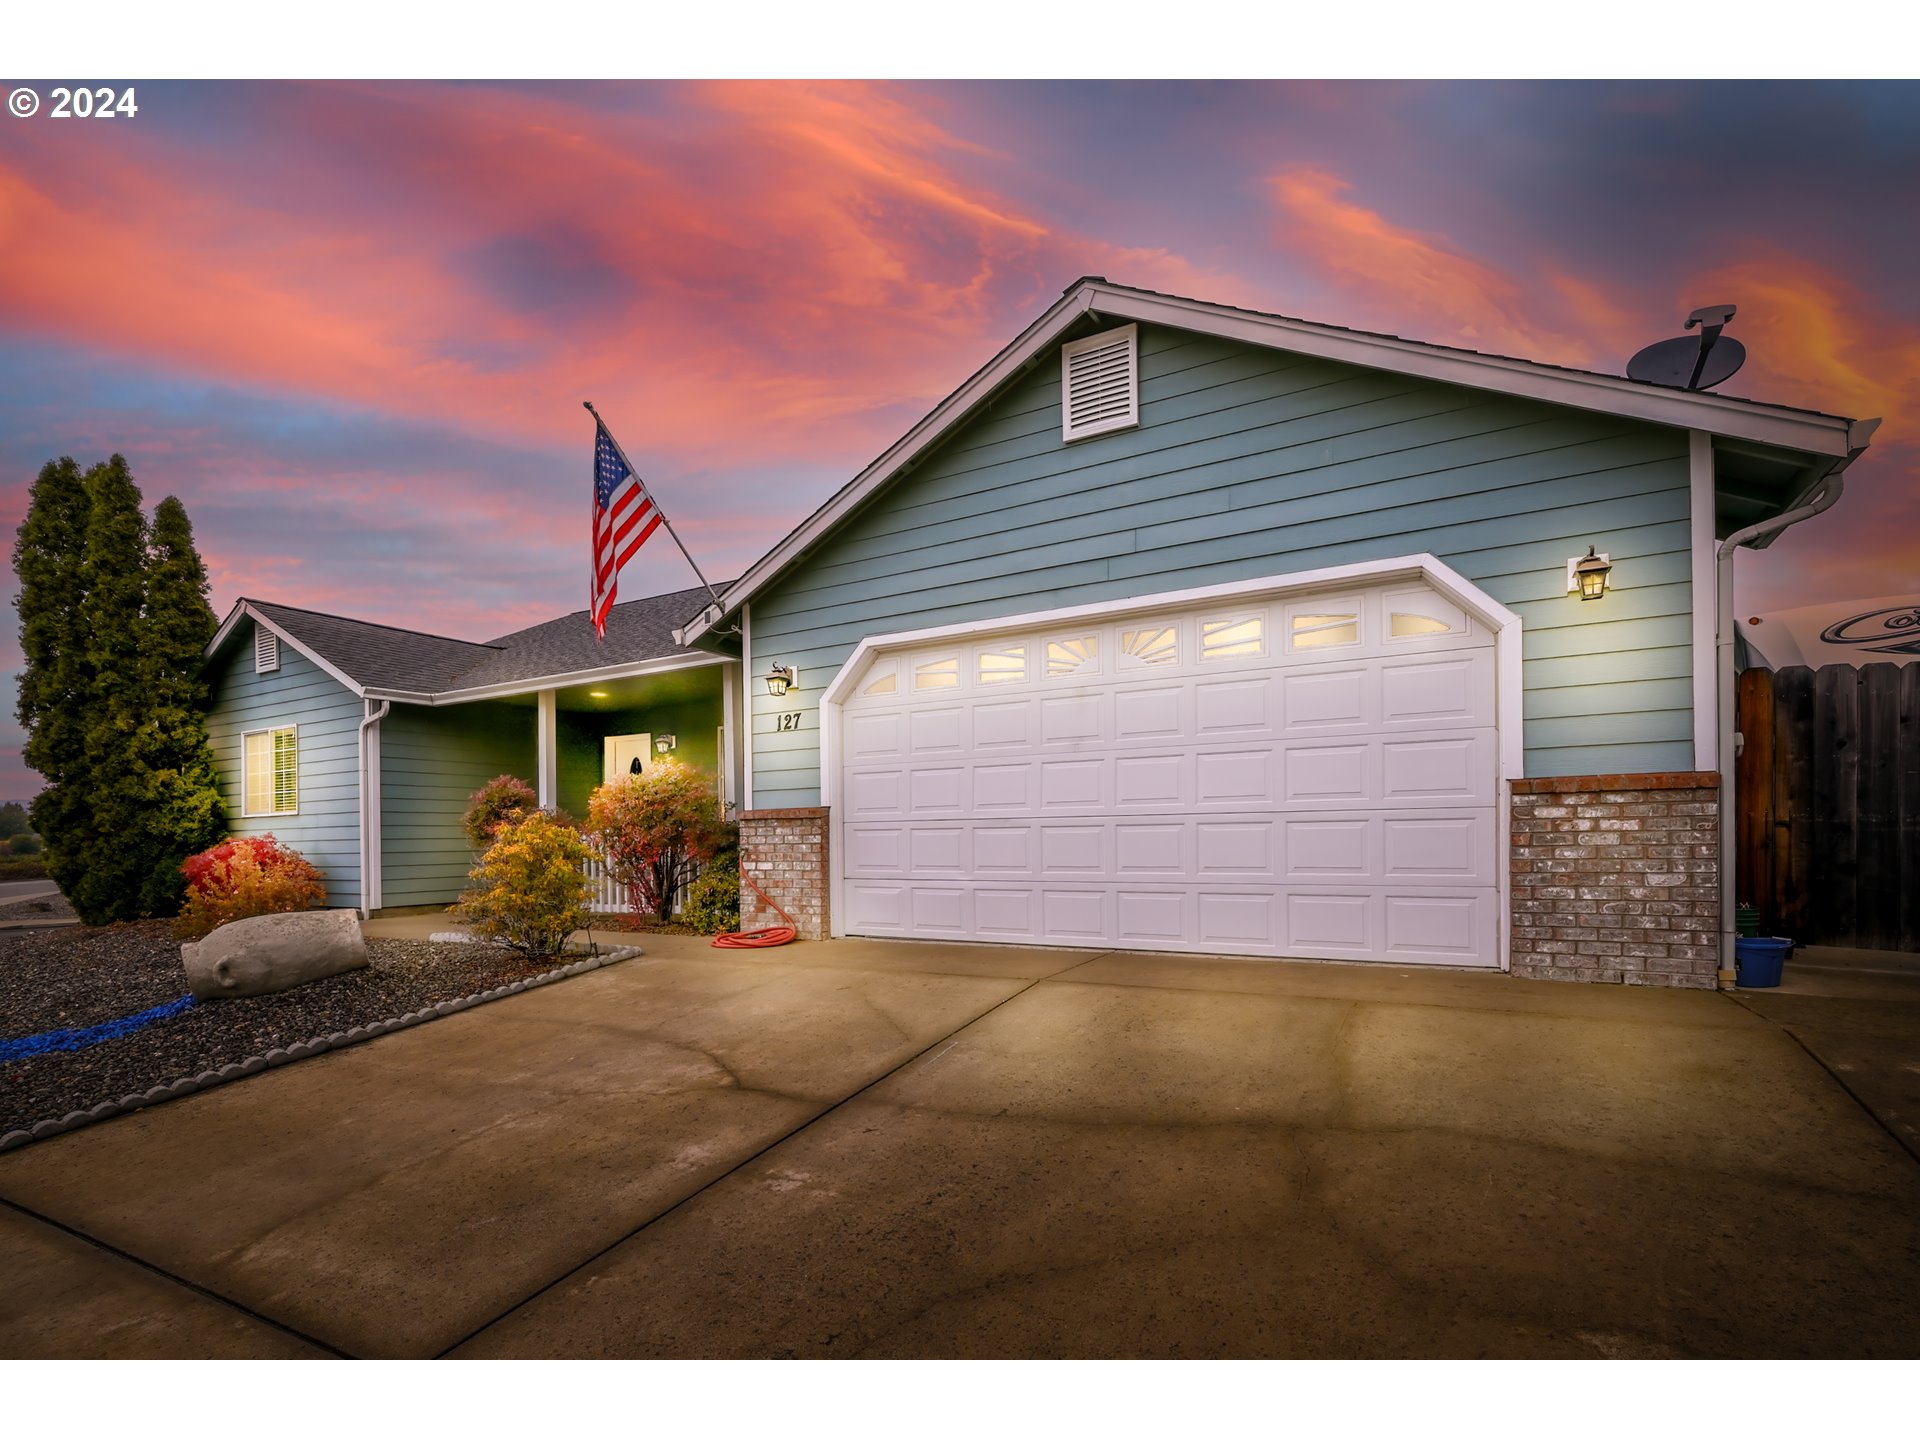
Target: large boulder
270, 953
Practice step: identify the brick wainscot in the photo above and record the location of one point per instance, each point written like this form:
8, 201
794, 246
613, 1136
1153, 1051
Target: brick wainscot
1616, 879
786, 852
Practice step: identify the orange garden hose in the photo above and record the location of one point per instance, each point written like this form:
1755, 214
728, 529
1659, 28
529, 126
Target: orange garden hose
758, 939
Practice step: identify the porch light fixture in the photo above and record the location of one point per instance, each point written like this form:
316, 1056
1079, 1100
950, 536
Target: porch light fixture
782, 678
663, 744
597, 694
1588, 574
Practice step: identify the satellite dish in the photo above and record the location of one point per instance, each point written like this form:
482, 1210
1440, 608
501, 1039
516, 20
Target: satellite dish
1687, 363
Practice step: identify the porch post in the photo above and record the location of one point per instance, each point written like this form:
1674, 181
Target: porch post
730, 735
546, 752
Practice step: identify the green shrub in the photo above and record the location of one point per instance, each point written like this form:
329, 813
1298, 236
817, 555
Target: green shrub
530, 889
503, 799
22, 867
246, 876
24, 844
655, 830
713, 900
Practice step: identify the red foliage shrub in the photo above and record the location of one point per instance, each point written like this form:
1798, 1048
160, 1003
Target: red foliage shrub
245, 876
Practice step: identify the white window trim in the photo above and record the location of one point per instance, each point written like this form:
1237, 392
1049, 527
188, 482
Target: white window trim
247, 813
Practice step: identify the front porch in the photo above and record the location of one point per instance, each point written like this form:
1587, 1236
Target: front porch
565, 741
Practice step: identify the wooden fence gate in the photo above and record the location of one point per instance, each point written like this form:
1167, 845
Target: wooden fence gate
1829, 804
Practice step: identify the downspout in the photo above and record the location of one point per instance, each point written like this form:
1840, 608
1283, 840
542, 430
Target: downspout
1859, 433
373, 717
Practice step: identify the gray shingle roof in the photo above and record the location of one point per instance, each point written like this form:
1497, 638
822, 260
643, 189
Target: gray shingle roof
382, 656
386, 657
636, 630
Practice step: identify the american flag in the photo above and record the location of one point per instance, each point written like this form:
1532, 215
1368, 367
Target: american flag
624, 515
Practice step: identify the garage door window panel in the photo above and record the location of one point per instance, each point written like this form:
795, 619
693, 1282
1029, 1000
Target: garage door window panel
1079, 656
1324, 625
1002, 665
1237, 638
939, 674
1151, 645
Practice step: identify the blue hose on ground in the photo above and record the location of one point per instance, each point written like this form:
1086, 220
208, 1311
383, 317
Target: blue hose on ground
49, 1040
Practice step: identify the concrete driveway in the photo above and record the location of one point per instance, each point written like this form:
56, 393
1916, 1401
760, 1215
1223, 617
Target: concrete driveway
867, 1149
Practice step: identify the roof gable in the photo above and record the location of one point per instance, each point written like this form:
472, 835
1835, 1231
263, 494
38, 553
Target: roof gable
371, 658
1095, 300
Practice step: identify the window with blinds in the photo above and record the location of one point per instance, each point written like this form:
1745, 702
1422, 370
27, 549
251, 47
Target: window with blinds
270, 781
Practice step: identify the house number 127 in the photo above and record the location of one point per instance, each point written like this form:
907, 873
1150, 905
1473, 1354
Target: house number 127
788, 721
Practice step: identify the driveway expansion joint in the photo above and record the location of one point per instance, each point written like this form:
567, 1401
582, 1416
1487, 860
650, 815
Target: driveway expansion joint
225, 1301
1785, 1028
299, 1050
745, 1161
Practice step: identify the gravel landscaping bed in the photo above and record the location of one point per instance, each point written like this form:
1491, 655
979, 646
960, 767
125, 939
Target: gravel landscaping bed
38, 907
70, 979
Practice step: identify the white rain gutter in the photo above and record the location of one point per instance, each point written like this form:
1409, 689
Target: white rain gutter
1859, 434
369, 862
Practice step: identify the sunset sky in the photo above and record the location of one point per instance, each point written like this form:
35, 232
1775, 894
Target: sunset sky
351, 325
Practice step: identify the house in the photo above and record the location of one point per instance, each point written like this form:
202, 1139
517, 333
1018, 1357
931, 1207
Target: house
359, 743
1177, 627
1184, 627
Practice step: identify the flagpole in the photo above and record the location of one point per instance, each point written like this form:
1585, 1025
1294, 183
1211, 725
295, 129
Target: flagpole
631, 469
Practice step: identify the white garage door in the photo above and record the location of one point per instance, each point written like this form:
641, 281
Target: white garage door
1306, 777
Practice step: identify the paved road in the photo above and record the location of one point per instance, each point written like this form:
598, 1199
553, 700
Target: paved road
12, 890
860, 1149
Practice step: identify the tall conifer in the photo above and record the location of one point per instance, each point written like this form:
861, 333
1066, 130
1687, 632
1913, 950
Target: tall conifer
112, 604
184, 813
49, 557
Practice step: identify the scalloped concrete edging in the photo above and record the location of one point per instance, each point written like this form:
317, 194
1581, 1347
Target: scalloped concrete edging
300, 1050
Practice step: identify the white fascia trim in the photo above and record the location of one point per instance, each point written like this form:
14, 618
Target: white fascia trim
1659, 405
1428, 568
1705, 592
1684, 409
243, 609
550, 682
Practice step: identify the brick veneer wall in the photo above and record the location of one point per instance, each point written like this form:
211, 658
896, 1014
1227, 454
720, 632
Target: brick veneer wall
786, 851
1616, 878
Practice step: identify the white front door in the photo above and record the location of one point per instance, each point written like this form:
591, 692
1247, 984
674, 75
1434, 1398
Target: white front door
1297, 776
626, 755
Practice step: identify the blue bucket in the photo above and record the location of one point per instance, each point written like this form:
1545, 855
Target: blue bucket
1759, 960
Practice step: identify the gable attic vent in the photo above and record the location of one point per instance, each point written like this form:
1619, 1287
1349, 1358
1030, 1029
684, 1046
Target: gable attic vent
1100, 383
266, 650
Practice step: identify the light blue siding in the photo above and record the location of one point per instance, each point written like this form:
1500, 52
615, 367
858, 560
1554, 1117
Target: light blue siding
431, 760
1251, 463
327, 828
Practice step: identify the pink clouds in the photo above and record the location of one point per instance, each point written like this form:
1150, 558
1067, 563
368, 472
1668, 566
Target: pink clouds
743, 258
1394, 270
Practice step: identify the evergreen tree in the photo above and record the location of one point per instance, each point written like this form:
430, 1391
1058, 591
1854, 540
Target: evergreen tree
112, 601
13, 820
183, 810
49, 558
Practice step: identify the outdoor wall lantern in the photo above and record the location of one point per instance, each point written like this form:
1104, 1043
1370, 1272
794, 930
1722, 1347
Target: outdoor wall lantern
664, 744
782, 678
1588, 574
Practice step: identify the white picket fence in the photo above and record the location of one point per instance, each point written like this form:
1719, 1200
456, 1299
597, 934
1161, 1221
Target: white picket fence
608, 897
